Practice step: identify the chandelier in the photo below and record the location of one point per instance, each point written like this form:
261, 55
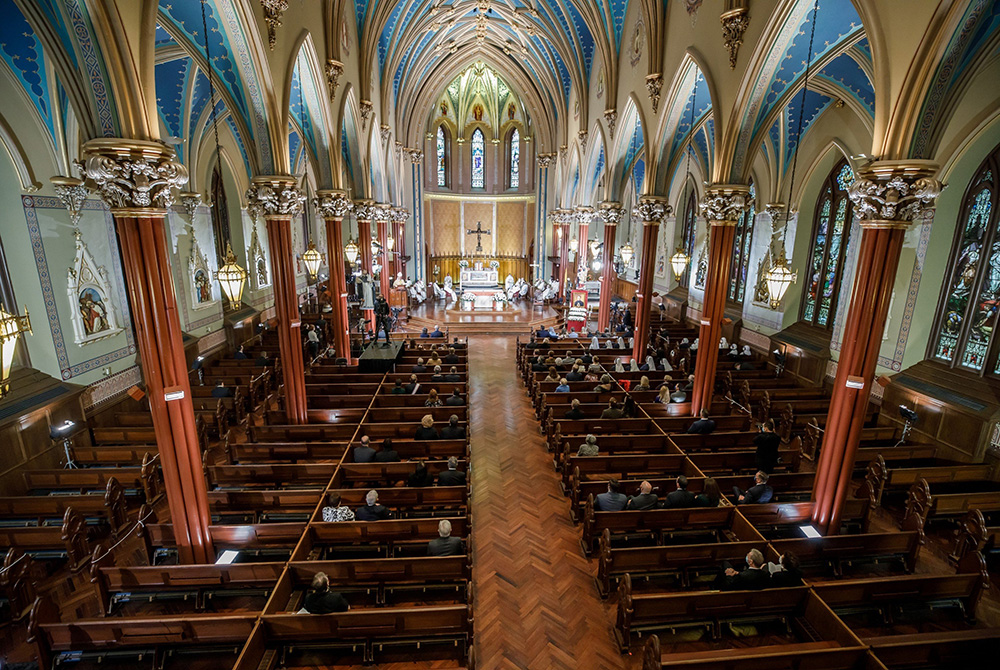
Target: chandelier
627, 253
11, 327
313, 259
231, 277
351, 251
778, 279
679, 262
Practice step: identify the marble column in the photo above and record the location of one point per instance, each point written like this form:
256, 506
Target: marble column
583, 216
399, 216
279, 199
365, 212
651, 210
563, 220
611, 213
382, 221
722, 206
138, 180
888, 196
333, 206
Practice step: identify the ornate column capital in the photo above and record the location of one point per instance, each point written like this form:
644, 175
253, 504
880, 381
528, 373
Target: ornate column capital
72, 193
364, 210
399, 214
652, 209
654, 85
777, 212
723, 203
416, 155
367, 108
563, 152
132, 174
545, 160
563, 217
583, 139
274, 196
734, 24
894, 194
611, 118
332, 204
383, 132
190, 201
381, 212
584, 214
334, 68
611, 212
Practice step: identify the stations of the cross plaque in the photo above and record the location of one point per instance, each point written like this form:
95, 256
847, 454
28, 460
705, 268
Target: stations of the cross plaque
479, 232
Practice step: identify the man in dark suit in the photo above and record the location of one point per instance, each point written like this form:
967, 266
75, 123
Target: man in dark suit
575, 375
760, 492
240, 354
457, 345
702, 426
455, 399
445, 544
220, 390
680, 497
613, 411
453, 375
574, 411
371, 511
453, 431
753, 578
321, 600
264, 361
646, 498
437, 332
767, 443
364, 453
452, 476
419, 367
612, 501
412, 387
452, 357
387, 454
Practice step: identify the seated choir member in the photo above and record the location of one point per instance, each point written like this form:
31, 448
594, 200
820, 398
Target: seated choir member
321, 600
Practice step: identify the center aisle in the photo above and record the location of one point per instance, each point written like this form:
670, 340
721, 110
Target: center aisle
536, 604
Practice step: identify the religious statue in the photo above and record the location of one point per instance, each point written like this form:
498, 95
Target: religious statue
477, 112
202, 287
444, 108
510, 111
367, 292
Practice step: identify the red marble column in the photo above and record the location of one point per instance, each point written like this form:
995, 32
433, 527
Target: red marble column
888, 197
562, 222
722, 205
279, 199
364, 212
611, 213
334, 206
140, 220
650, 210
399, 217
382, 221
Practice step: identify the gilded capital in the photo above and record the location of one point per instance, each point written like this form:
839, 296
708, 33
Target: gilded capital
274, 195
72, 193
777, 212
652, 209
895, 193
724, 203
563, 217
332, 204
399, 214
381, 212
584, 214
611, 118
545, 160
132, 173
611, 212
416, 155
334, 68
364, 210
654, 86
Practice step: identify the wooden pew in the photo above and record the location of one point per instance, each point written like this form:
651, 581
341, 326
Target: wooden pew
386, 534
776, 516
974, 535
939, 649
881, 477
111, 505
655, 522
823, 655
920, 502
69, 540
300, 433
270, 475
832, 553
104, 435
353, 474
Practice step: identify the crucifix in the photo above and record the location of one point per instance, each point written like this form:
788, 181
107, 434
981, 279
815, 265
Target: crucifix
479, 232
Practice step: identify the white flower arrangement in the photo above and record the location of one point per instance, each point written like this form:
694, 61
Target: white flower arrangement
500, 297
494, 264
463, 264
467, 297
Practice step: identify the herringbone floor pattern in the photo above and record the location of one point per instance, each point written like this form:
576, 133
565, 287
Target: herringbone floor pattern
536, 605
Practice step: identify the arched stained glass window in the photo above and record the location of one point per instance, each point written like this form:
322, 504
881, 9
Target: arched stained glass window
515, 158
478, 157
967, 310
442, 158
741, 250
831, 232
688, 230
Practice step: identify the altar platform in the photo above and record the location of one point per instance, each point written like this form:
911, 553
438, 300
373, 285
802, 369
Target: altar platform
519, 319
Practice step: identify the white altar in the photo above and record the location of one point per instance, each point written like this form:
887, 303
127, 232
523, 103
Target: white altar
485, 278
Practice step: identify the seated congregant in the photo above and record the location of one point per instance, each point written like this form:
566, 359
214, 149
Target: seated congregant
452, 476
760, 492
453, 431
336, 511
753, 577
646, 498
574, 412
426, 430
589, 447
703, 426
613, 411
371, 510
612, 501
444, 544
321, 600
387, 454
680, 497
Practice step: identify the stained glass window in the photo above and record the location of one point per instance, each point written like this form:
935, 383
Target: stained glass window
741, 250
967, 312
515, 159
442, 161
831, 233
688, 229
478, 152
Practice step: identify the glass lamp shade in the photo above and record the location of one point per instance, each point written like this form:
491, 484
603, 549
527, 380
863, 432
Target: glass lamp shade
596, 266
389, 243
375, 248
231, 277
351, 251
778, 279
313, 259
11, 327
574, 244
679, 262
593, 244
627, 253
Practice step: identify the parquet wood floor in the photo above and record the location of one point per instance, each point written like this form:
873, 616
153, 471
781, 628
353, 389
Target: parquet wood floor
536, 605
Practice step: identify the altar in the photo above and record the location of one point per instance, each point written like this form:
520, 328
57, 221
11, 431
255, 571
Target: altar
481, 278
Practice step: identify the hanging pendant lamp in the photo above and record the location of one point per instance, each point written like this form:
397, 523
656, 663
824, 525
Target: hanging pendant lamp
679, 263
231, 277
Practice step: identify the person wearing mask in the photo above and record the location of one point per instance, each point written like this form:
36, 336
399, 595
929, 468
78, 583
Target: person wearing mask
444, 544
321, 600
612, 501
574, 412
426, 430
452, 476
646, 498
703, 426
766, 443
371, 510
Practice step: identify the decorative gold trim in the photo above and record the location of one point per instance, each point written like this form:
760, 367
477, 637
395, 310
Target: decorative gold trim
478, 198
